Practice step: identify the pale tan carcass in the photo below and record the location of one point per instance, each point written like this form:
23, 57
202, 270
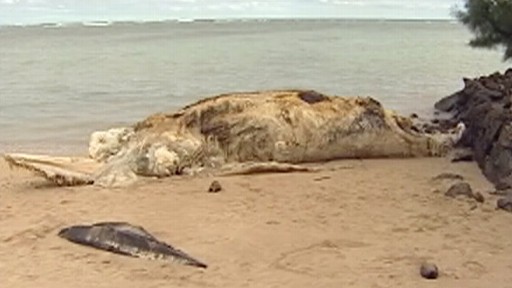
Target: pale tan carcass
240, 133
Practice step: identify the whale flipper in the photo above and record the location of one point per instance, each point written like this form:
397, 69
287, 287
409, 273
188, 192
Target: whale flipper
126, 239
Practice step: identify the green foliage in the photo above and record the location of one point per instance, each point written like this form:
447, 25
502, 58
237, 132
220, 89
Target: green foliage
491, 23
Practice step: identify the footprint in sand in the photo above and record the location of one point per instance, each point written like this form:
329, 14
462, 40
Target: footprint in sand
312, 260
35, 232
474, 269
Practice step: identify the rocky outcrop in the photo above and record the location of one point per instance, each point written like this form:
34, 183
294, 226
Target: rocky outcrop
273, 130
484, 106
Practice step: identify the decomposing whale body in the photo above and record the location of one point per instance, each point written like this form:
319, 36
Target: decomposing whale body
126, 239
261, 131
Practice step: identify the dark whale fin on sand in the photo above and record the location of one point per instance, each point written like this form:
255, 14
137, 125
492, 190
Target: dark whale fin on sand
126, 239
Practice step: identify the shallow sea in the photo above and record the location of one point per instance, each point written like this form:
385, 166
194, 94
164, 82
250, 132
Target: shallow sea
60, 83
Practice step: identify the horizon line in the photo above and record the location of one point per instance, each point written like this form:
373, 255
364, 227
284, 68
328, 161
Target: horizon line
199, 19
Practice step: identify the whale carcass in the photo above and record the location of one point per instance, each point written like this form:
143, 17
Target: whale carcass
274, 130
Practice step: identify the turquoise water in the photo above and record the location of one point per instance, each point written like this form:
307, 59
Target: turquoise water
58, 84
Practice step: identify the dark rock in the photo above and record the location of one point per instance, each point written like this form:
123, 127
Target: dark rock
504, 192
414, 116
496, 96
447, 104
502, 186
460, 189
497, 165
461, 154
448, 176
479, 197
215, 187
483, 105
505, 204
429, 271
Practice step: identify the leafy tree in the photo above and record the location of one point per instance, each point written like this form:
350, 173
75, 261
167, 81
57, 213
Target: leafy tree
491, 23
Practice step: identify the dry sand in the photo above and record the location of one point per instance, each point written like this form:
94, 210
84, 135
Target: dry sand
365, 224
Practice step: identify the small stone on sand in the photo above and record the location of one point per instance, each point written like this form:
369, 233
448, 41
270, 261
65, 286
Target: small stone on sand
479, 197
429, 271
215, 187
460, 189
505, 204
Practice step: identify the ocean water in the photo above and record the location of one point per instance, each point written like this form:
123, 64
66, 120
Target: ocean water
59, 83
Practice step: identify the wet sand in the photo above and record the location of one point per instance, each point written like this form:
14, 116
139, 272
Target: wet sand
363, 223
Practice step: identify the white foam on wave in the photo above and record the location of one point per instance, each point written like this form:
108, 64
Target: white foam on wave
52, 25
96, 23
17, 25
107, 23
186, 20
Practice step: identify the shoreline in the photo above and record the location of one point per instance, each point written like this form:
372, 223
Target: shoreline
75, 142
78, 144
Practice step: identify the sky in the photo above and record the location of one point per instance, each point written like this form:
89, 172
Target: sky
41, 11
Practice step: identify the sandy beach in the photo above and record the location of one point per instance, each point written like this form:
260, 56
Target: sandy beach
162, 99
366, 223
